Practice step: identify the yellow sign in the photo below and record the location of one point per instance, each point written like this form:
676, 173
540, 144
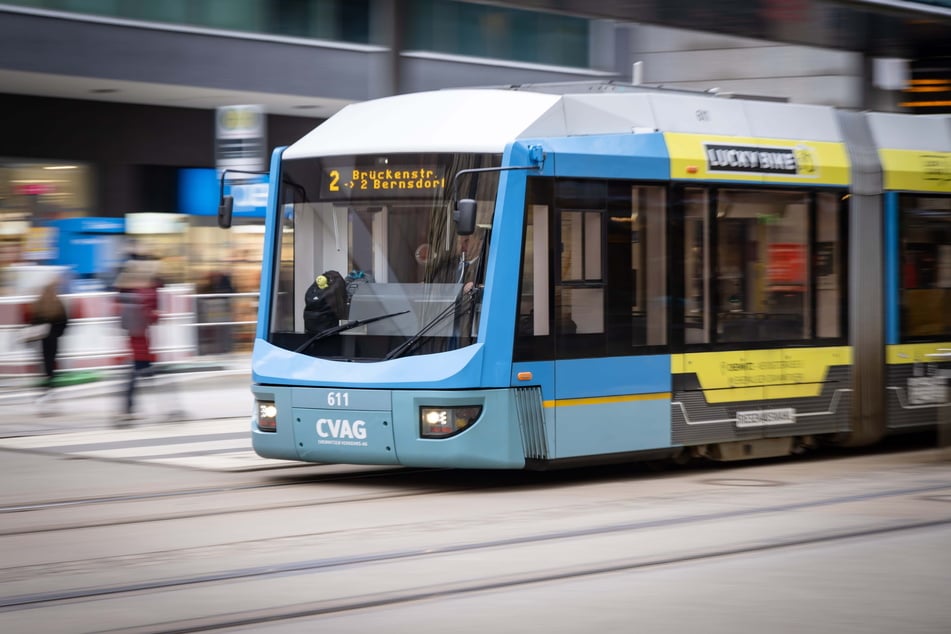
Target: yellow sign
749, 375
726, 158
914, 171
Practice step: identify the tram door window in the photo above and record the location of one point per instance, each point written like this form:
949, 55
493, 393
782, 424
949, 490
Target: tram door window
579, 298
696, 265
925, 230
601, 291
827, 256
648, 263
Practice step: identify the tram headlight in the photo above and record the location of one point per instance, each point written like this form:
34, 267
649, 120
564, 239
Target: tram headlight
265, 415
442, 422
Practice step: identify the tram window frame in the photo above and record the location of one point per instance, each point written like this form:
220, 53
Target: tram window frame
924, 267
603, 220
780, 264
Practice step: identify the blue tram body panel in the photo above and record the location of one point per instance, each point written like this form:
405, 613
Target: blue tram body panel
586, 407
603, 406
642, 156
381, 427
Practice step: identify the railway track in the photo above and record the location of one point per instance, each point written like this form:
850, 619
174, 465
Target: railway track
372, 551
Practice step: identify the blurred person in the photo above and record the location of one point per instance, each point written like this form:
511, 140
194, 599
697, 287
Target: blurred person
49, 312
217, 310
138, 285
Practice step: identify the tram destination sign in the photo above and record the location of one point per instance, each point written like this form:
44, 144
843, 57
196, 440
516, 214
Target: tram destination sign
353, 182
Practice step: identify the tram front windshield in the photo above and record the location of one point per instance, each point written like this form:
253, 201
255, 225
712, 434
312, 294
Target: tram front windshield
369, 263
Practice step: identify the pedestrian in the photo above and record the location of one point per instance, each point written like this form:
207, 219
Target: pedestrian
48, 312
138, 286
218, 310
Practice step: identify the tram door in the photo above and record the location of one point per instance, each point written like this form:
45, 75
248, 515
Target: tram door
560, 288
593, 313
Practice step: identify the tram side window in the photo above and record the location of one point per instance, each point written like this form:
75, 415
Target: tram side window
761, 265
762, 274
696, 266
925, 279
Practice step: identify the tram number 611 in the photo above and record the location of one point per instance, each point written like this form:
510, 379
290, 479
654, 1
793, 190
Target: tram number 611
338, 399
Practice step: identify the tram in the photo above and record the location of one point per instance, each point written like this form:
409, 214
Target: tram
536, 276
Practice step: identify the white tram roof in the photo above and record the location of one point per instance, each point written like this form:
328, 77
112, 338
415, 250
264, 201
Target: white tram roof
924, 133
486, 120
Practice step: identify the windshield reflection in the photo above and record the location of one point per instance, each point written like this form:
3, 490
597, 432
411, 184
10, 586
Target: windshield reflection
376, 279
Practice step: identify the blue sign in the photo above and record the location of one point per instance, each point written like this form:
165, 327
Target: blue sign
199, 192
89, 245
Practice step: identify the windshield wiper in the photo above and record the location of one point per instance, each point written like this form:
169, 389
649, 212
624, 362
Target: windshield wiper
323, 334
415, 339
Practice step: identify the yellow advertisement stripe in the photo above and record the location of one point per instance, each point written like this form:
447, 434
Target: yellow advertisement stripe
912, 170
601, 400
744, 375
728, 158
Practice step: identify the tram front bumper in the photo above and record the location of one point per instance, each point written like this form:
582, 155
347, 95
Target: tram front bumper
386, 427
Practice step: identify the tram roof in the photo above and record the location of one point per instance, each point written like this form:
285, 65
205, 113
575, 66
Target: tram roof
486, 120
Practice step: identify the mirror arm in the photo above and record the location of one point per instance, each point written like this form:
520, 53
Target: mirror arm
464, 210
226, 203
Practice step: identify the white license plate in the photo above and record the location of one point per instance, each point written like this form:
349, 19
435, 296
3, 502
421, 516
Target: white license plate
764, 417
923, 390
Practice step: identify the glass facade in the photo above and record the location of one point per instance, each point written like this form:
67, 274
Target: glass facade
439, 26
480, 30
343, 20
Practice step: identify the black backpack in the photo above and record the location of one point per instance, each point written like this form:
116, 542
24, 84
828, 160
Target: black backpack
325, 307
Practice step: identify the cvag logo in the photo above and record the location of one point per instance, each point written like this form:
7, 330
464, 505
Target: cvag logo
341, 428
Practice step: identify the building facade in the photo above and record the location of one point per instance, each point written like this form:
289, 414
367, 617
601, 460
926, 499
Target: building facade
109, 106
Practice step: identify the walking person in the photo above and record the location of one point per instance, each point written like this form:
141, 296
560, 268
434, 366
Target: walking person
138, 286
49, 311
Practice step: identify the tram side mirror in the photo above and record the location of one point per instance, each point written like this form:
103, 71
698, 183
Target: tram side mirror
225, 211
464, 216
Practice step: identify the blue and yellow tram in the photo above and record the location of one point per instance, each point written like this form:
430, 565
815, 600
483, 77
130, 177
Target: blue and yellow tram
543, 275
